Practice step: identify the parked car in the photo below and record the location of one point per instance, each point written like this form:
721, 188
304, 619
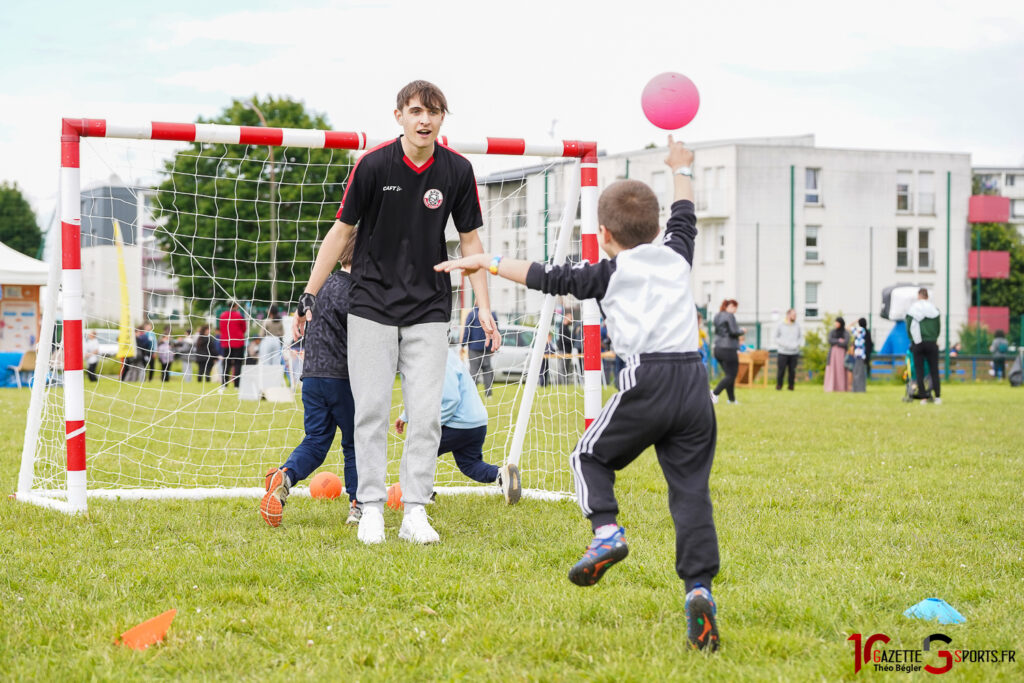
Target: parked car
107, 339
510, 361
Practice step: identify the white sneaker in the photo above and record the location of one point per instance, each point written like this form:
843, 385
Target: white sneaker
416, 527
714, 397
938, 400
508, 480
371, 525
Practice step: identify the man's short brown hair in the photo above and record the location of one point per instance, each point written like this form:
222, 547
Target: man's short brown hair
430, 96
630, 212
345, 259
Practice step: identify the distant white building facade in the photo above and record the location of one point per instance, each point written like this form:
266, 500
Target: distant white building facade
780, 221
152, 291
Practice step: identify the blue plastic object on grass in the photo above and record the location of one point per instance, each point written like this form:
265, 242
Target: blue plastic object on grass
935, 608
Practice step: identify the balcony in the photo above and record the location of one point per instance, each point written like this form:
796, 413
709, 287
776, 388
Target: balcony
711, 203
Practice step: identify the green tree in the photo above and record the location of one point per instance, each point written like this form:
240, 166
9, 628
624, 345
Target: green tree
974, 338
18, 227
218, 207
1007, 292
816, 347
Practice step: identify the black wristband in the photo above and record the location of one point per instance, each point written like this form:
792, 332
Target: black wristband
307, 302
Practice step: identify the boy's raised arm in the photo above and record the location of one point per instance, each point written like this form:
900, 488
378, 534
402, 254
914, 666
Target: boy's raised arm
681, 231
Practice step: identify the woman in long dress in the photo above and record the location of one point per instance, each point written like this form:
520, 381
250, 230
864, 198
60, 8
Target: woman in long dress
835, 370
860, 357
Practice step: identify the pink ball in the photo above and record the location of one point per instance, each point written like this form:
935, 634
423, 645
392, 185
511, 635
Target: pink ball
670, 100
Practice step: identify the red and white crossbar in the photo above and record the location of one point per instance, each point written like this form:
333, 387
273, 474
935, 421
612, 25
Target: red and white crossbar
316, 139
73, 130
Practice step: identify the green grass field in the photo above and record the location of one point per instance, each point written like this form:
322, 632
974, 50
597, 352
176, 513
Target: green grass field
835, 513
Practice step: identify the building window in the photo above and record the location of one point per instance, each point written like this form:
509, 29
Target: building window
709, 242
811, 252
812, 186
1017, 208
988, 182
903, 191
516, 207
903, 248
720, 242
811, 309
924, 250
660, 188
703, 189
520, 249
1010, 179
553, 183
926, 193
716, 202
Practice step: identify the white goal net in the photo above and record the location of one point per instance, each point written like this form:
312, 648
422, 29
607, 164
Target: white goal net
205, 226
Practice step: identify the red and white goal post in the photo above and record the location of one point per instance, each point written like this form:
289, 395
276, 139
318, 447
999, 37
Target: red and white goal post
188, 440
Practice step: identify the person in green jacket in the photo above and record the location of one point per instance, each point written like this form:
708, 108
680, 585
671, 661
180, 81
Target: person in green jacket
923, 326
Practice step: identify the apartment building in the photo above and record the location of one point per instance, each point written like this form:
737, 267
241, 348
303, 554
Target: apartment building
781, 222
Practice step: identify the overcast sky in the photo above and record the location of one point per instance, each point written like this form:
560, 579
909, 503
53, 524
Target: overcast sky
935, 76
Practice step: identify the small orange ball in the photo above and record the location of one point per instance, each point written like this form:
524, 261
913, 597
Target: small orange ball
325, 485
395, 497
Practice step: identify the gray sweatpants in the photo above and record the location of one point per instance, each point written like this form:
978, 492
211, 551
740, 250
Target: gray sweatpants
375, 353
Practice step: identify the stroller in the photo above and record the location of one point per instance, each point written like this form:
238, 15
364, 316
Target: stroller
914, 390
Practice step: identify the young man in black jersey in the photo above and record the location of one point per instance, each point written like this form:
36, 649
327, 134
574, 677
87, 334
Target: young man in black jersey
326, 399
401, 194
663, 401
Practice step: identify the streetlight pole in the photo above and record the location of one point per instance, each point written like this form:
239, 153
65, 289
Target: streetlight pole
273, 212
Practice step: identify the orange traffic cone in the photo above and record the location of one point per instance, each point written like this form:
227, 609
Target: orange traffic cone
148, 632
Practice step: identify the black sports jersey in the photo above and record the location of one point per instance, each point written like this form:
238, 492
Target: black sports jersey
402, 211
326, 341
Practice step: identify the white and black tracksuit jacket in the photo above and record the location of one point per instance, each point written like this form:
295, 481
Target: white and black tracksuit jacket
645, 296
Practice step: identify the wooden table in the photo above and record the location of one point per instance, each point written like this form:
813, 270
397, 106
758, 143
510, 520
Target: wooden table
752, 362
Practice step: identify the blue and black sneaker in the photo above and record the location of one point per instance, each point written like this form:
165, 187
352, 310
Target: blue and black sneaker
600, 555
700, 619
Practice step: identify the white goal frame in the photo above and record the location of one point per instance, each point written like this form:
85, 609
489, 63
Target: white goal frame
66, 278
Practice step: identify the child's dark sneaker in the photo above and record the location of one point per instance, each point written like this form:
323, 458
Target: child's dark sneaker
277, 484
701, 629
355, 512
602, 553
508, 480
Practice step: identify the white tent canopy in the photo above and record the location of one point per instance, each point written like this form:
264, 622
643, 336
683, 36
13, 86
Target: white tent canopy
18, 269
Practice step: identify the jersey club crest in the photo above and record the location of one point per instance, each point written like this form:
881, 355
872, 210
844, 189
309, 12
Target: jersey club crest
433, 198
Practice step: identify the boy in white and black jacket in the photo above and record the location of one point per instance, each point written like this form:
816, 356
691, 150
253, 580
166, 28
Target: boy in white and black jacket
644, 294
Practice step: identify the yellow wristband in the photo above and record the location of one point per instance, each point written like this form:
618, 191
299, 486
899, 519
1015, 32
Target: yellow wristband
494, 265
